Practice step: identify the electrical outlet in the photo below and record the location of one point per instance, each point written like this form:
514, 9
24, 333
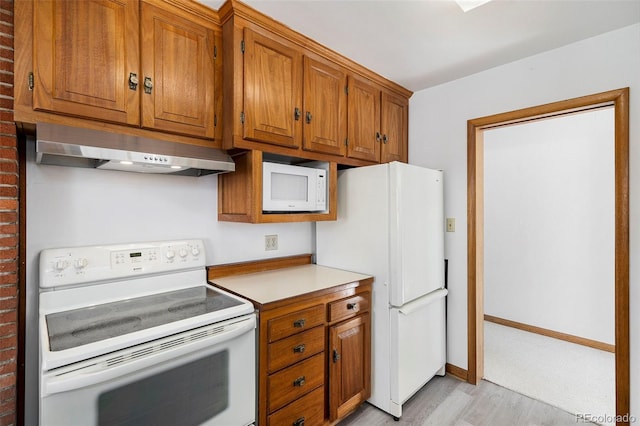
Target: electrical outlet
451, 224
271, 242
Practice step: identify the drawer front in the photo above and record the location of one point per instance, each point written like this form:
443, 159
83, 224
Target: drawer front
306, 411
295, 322
349, 307
295, 348
295, 381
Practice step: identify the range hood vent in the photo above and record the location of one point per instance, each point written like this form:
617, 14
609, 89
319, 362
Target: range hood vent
76, 147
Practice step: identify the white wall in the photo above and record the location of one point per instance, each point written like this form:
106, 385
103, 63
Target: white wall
438, 139
549, 224
68, 207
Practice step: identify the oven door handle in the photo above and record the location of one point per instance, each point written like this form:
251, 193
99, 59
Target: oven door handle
100, 371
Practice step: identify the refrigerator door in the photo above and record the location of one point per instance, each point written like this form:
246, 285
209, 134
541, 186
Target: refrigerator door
416, 232
359, 241
418, 336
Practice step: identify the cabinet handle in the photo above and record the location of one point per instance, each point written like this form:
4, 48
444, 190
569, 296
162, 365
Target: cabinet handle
352, 306
133, 81
299, 381
297, 113
148, 85
299, 349
299, 422
385, 139
309, 117
336, 356
377, 136
299, 323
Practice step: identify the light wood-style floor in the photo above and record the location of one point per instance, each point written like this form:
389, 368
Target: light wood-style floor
448, 401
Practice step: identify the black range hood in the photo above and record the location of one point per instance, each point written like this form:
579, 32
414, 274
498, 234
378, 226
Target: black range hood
77, 147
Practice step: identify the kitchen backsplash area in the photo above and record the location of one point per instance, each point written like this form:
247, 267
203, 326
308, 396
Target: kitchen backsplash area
69, 207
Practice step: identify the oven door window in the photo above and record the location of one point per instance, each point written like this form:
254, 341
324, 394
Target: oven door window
186, 395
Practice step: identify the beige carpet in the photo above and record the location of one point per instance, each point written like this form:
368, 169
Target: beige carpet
575, 378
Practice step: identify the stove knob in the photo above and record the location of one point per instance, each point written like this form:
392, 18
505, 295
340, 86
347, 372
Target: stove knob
195, 250
170, 254
80, 262
182, 252
60, 265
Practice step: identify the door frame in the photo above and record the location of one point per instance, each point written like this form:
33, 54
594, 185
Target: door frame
619, 99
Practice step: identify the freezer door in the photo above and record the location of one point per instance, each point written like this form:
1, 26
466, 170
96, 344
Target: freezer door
416, 232
418, 345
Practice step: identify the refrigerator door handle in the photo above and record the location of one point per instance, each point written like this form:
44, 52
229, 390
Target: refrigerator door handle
415, 305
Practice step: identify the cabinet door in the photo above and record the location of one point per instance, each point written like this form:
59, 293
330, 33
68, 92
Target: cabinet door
272, 90
178, 64
350, 365
325, 107
364, 120
84, 52
394, 128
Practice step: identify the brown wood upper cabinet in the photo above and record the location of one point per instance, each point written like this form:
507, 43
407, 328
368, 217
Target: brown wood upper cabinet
290, 99
325, 107
378, 123
272, 90
286, 94
148, 64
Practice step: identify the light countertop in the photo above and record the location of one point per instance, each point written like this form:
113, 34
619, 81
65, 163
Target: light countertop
278, 284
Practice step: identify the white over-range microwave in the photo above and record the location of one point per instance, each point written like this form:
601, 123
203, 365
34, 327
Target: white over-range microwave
287, 188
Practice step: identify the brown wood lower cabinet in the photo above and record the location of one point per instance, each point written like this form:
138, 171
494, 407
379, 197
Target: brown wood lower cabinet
350, 364
314, 347
315, 358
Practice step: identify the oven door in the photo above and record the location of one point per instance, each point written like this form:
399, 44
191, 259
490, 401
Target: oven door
204, 376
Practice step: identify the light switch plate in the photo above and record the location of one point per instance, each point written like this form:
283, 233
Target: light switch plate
451, 224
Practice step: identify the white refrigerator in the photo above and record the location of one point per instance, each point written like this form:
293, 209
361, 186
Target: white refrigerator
391, 225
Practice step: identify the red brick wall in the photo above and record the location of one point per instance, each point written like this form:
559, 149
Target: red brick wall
8, 222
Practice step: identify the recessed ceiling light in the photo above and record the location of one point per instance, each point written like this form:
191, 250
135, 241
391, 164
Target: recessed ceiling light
467, 5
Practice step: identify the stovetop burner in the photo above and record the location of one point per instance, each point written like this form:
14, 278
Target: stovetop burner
78, 327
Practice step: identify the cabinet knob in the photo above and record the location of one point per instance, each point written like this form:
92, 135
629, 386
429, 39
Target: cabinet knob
309, 117
148, 85
297, 113
133, 81
299, 349
352, 306
299, 323
299, 422
336, 356
377, 136
385, 139
299, 381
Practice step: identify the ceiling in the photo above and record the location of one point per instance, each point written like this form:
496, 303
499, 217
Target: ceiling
423, 43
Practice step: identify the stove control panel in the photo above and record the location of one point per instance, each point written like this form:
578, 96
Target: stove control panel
79, 265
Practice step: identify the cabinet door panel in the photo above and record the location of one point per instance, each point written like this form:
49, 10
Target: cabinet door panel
178, 55
350, 363
83, 54
325, 108
364, 120
272, 90
395, 112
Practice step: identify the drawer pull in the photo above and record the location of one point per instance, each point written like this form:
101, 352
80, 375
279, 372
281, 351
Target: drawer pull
299, 422
352, 306
299, 349
299, 323
299, 381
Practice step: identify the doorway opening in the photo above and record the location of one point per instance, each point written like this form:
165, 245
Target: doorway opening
619, 99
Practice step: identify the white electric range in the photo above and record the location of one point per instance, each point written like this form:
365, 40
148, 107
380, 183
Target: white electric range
133, 334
